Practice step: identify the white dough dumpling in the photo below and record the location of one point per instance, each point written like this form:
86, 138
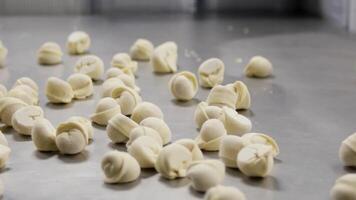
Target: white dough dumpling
3, 91
86, 123
230, 147
255, 160
120, 167
27, 81
205, 174
347, 151
139, 131
114, 72
123, 61
49, 53
141, 50
127, 98
81, 84
109, 85
211, 72
204, 112
24, 118
160, 126
119, 128
145, 149
78, 42
58, 91
164, 58
210, 135
243, 95
144, 110
4, 155
344, 188
3, 140
183, 86
222, 95
193, 147
24, 93
8, 106
90, 65
235, 123
260, 138
3, 54
224, 193
106, 109
44, 135
259, 67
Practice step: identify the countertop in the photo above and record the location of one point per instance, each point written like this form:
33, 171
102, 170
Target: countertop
308, 105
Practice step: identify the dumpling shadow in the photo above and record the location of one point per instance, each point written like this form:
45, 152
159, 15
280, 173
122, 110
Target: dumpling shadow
195, 193
122, 186
350, 169
42, 155
147, 173
59, 106
119, 147
5, 169
98, 82
85, 99
247, 113
211, 154
176, 183
97, 126
21, 138
77, 158
269, 182
190, 103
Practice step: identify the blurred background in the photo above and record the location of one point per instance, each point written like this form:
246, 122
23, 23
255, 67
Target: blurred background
339, 12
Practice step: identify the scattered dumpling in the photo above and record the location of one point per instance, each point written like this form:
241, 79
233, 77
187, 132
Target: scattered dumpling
347, 152
27, 81
109, 85
260, 138
259, 67
141, 50
120, 167
86, 123
106, 109
3, 54
123, 61
90, 65
49, 53
173, 161
164, 58
44, 135
24, 118
222, 95
230, 147
160, 126
224, 193
78, 42
243, 95
344, 188
3, 91
144, 110
205, 174
255, 160
8, 106
119, 128
81, 84
3, 140
114, 72
183, 86
204, 112
193, 147
127, 98
210, 135
211, 72
4, 155
58, 91
145, 150
235, 123
24, 93
139, 131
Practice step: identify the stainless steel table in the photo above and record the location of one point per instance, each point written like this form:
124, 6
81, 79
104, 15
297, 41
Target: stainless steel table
308, 105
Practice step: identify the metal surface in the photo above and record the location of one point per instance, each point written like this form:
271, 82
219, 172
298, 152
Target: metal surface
308, 106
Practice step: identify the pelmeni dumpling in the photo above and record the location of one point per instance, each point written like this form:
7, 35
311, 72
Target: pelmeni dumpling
49, 53
144, 131
344, 188
90, 65
204, 112
123, 61
243, 95
164, 58
205, 174
81, 84
113, 72
260, 138
210, 135
109, 85
145, 149
127, 98
255, 160
58, 91
26, 81
222, 95
106, 109
3, 140
3, 54
119, 128
86, 123
78, 42
71, 137
224, 193
24, 93
4, 155
141, 50
183, 86
230, 146
211, 72
120, 167
193, 147
44, 135
144, 110
3, 91
8, 106
160, 126
347, 152
259, 67
235, 123
24, 118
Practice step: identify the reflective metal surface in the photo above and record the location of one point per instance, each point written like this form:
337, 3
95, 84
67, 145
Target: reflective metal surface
308, 106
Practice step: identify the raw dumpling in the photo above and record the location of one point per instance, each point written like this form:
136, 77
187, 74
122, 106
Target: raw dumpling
235, 123
143, 131
243, 95
24, 118
164, 58
106, 109
224, 193
347, 152
4, 155
3, 91
123, 61
145, 149
204, 112
222, 96
90, 65
119, 128
8, 106
81, 84
193, 147
259, 67
27, 81
49, 53
109, 85
127, 98
344, 188
145, 110
160, 126
210, 135
44, 135
230, 147
58, 91
211, 72
183, 86
3, 54
260, 138
78, 42
141, 50
24, 93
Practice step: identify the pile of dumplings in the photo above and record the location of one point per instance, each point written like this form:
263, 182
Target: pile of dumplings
140, 124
